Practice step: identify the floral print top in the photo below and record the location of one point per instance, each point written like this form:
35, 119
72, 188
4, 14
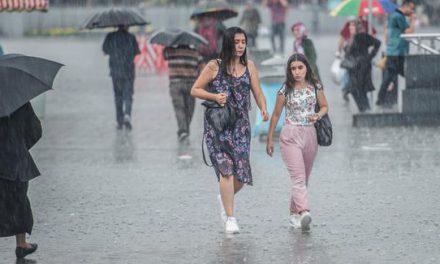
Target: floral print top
300, 104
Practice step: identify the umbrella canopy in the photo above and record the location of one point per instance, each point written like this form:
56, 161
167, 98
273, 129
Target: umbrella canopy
23, 78
360, 8
218, 9
24, 5
174, 36
115, 17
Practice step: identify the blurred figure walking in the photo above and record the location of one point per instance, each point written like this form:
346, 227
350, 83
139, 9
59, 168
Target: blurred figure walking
347, 34
304, 45
122, 48
250, 21
278, 10
184, 65
359, 75
212, 30
396, 49
19, 132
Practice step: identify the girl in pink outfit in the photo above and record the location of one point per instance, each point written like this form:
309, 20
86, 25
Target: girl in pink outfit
298, 140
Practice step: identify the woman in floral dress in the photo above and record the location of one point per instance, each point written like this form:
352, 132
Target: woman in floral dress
298, 141
231, 77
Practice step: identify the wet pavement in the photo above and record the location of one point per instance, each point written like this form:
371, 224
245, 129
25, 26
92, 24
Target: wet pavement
107, 196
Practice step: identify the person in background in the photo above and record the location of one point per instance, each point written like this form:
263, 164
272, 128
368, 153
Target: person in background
184, 64
299, 95
304, 45
231, 78
396, 49
212, 30
19, 132
278, 10
347, 34
362, 50
250, 21
122, 48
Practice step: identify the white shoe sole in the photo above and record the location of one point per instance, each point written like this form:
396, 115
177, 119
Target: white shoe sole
296, 226
230, 232
305, 222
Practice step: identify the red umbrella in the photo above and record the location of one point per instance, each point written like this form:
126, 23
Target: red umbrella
24, 5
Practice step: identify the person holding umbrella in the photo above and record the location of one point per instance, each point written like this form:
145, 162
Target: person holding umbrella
18, 133
184, 65
122, 47
212, 30
22, 78
231, 79
209, 17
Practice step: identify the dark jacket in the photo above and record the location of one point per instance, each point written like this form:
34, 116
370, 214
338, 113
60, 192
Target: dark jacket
360, 75
310, 53
18, 133
250, 20
122, 47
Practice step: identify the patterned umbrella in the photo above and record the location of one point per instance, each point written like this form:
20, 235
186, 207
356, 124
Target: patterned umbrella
360, 8
24, 5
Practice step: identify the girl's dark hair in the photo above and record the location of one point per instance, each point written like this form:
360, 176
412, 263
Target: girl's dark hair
228, 49
310, 76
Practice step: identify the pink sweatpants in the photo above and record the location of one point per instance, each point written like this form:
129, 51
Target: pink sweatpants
298, 149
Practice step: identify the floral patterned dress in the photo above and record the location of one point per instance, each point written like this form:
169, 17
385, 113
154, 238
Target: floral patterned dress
229, 150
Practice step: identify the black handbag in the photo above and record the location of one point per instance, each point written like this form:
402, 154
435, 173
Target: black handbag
324, 130
348, 63
221, 117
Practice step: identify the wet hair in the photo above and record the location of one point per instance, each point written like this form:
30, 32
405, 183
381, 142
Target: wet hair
228, 49
310, 76
407, 2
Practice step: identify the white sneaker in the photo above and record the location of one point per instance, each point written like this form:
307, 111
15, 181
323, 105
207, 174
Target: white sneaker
294, 221
306, 219
231, 226
223, 215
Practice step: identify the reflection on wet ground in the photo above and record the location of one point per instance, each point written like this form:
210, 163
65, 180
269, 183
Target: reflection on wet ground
108, 196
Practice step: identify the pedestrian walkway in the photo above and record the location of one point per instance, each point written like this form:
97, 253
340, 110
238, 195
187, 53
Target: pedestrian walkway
108, 196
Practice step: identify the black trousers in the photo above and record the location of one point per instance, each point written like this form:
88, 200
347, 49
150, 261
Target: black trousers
277, 30
15, 209
123, 89
393, 67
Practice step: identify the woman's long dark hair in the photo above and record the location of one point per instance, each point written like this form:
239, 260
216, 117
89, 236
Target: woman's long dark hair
310, 76
228, 49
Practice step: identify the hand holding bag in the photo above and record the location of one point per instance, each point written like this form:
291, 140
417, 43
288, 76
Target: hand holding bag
220, 117
324, 130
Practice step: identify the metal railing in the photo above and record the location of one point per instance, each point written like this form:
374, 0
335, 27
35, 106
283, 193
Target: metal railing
420, 39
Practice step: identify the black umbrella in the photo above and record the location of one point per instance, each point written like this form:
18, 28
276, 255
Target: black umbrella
23, 78
174, 36
218, 9
115, 17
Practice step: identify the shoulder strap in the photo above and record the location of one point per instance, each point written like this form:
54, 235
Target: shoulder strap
203, 151
317, 107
